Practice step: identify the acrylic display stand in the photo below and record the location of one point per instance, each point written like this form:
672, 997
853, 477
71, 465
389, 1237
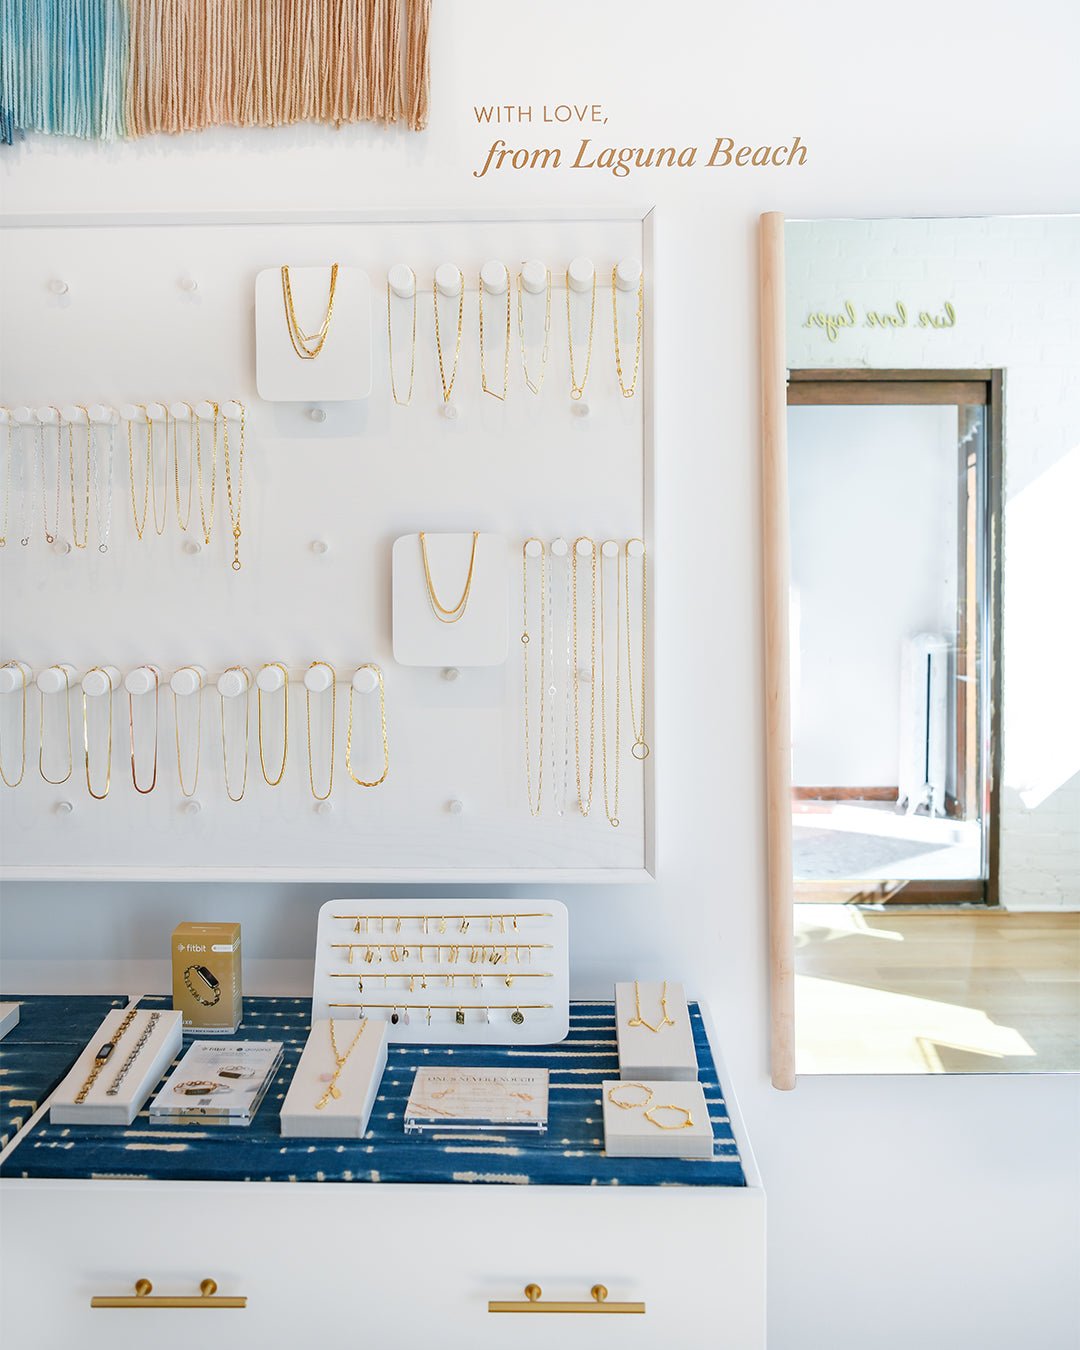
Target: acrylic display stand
667, 1053
344, 1117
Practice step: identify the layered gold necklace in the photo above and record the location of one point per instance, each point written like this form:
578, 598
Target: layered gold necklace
307, 346
441, 612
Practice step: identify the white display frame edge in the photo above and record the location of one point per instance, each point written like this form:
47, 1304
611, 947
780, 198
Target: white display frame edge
418, 876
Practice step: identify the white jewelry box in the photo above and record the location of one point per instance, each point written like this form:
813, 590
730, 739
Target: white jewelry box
100, 1107
344, 1117
668, 1052
629, 1132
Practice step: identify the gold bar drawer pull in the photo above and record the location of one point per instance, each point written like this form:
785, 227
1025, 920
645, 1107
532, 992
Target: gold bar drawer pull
533, 1304
144, 1297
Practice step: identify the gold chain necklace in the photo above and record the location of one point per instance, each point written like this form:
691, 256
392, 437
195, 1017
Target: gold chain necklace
640, 747
159, 526
131, 735
273, 782
448, 389
41, 731
440, 611
140, 525
333, 1092
534, 809
506, 353
98, 796
14, 665
247, 727
50, 536
374, 782
307, 346
611, 808
638, 1021
181, 519
198, 738
71, 473
234, 515
577, 390
333, 723
534, 385
627, 392
207, 521
401, 402
584, 802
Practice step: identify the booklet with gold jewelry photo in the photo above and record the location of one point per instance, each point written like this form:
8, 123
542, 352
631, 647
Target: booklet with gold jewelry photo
478, 1099
219, 1082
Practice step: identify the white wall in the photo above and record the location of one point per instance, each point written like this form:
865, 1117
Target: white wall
939, 1213
873, 495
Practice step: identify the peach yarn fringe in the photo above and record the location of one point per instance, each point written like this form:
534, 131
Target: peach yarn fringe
270, 63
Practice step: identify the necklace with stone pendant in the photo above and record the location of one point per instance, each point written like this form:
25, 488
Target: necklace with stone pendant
333, 1092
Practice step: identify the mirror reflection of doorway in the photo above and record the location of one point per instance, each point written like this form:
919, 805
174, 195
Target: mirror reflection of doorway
895, 489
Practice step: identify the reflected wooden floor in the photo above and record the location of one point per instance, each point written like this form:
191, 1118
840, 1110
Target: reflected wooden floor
938, 991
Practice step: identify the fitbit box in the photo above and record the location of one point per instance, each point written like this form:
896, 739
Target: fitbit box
207, 988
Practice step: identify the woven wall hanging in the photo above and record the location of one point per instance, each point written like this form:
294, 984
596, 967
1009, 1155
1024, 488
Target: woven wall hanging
106, 69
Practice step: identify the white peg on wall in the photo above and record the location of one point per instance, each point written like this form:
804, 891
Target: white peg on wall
402, 280
232, 410
188, 284
157, 412
635, 548
495, 277
319, 546
14, 676
559, 547
71, 412
5, 417
192, 546
61, 546
58, 286
449, 280
187, 680
317, 414
318, 678
324, 808
64, 808
101, 680
365, 681
455, 806
584, 548
48, 416
142, 680
204, 410
270, 679
451, 673
181, 411
130, 412
534, 276
192, 807
233, 683
51, 679
101, 412
581, 273
609, 548
534, 548
23, 415
628, 274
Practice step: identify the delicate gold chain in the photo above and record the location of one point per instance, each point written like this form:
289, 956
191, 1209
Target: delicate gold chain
638, 1021
131, 734
640, 747
307, 346
506, 353
576, 389
627, 392
584, 802
333, 723
159, 525
247, 728
333, 1092
234, 515
140, 525
448, 389
273, 782
7, 473
14, 665
402, 403
71, 473
50, 536
375, 782
198, 738
41, 731
207, 526
534, 385
611, 808
193, 422
440, 611
98, 796
534, 809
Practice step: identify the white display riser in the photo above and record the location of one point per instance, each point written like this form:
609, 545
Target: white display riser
396, 1265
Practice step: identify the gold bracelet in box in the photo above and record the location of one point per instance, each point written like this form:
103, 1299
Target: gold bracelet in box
207, 978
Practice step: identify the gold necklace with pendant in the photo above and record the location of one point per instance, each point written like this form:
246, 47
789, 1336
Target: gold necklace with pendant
333, 1092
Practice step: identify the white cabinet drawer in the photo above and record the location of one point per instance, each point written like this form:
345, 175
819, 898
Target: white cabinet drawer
340, 1264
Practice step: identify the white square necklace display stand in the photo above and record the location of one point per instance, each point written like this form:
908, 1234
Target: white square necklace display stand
668, 1052
466, 972
342, 369
480, 637
130, 1074
346, 1115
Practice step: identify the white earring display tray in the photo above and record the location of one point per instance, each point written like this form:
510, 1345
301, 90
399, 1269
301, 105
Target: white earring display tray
457, 973
453, 611
336, 1082
665, 1120
666, 1052
121, 1065
342, 369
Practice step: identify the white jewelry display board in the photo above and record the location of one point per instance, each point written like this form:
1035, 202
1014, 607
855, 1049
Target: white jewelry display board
328, 487
666, 1052
139, 1069
480, 635
342, 369
344, 1112
460, 972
